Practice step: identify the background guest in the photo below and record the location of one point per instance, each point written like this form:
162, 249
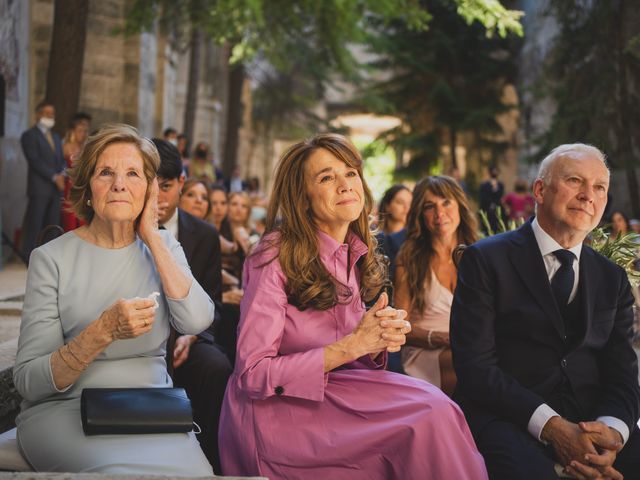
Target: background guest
200, 165
619, 224
73, 144
42, 149
518, 205
491, 193
393, 209
439, 220
195, 198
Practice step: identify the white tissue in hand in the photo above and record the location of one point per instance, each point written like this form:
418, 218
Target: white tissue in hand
154, 296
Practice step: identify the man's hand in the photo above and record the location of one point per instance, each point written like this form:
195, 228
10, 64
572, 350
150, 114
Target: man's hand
568, 440
59, 181
587, 451
181, 349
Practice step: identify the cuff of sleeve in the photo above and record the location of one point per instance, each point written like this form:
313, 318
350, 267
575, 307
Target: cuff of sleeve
377, 363
53, 383
617, 425
539, 419
309, 379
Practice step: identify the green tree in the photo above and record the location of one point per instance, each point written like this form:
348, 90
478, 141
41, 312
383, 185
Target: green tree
64, 75
446, 82
275, 29
594, 73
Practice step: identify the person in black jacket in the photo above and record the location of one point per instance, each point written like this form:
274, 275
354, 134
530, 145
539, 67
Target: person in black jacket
541, 330
200, 365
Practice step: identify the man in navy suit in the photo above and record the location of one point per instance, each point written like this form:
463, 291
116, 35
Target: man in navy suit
45, 179
201, 367
541, 331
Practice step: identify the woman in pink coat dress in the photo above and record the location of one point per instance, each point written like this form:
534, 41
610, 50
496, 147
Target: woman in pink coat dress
309, 397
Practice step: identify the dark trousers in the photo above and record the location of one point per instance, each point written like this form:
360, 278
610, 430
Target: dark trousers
42, 210
204, 377
510, 452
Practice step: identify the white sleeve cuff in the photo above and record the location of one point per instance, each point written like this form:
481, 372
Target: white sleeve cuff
539, 419
616, 424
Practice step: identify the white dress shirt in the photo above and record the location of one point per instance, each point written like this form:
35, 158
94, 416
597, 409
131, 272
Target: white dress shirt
547, 246
172, 224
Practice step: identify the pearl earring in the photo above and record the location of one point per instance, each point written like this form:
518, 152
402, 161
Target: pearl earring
88, 202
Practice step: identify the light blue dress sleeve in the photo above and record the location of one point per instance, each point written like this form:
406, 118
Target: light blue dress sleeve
193, 313
40, 330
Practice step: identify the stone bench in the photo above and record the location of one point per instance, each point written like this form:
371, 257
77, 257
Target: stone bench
10, 457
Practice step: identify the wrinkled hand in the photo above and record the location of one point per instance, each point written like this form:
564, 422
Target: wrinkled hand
148, 221
128, 318
182, 348
381, 328
233, 296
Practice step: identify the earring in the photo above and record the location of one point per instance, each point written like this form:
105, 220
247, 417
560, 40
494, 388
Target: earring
88, 202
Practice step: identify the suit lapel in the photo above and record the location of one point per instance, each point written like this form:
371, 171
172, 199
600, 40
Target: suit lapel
185, 235
527, 260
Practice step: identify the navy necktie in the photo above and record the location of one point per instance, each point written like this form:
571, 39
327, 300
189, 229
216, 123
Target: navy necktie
562, 281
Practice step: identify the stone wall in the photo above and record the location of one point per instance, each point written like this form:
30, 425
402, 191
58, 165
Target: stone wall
15, 44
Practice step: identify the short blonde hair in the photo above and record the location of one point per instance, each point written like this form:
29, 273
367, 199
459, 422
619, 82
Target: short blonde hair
85, 165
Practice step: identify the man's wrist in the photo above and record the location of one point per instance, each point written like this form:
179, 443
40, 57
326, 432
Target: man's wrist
553, 424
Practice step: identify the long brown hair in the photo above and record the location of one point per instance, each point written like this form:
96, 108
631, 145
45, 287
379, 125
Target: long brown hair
309, 284
417, 250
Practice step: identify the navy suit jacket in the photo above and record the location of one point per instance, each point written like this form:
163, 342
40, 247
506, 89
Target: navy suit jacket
509, 345
201, 244
44, 162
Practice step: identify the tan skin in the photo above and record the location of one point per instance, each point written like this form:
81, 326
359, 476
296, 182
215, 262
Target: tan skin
118, 194
569, 205
442, 219
336, 197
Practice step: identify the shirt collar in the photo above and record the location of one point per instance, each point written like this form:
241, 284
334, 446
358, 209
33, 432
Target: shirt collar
328, 246
548, 245
172, 224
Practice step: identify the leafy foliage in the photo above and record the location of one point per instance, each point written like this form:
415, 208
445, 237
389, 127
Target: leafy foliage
446, 82
305, 43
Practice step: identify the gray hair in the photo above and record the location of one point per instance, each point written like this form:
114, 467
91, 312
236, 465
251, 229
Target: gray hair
544, 173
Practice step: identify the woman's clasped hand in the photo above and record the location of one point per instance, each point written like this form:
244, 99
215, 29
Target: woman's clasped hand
382, 328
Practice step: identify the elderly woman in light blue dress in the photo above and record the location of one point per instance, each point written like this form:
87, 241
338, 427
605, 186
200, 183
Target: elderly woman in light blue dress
88, 322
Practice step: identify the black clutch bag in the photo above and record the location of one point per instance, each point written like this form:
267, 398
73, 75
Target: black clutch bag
115, 411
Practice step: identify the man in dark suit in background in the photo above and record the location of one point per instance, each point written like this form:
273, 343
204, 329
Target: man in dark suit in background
45, 179
541, 331
200, 366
